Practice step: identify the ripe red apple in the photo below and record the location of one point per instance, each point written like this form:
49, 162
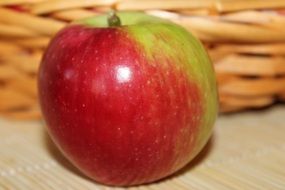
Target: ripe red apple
127, 104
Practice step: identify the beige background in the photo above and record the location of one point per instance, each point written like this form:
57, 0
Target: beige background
246, 151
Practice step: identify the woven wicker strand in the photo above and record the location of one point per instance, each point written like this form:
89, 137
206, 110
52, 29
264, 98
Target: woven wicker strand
245, 40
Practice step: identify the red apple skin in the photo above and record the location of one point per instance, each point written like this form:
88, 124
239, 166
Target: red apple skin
121, 118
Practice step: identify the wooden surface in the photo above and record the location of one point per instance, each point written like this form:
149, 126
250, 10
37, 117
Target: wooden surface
245, 152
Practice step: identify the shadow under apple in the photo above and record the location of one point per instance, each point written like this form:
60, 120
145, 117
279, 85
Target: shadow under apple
61, 160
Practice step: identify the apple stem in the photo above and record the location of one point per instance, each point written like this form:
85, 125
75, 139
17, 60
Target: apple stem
113, 19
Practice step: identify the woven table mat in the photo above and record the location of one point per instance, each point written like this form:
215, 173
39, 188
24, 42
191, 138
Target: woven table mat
246, 151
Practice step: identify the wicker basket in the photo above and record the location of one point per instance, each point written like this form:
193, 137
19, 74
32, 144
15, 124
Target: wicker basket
245, 39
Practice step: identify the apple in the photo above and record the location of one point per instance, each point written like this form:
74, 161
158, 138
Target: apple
128, 98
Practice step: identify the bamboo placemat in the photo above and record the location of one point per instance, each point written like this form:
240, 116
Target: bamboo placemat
245, 152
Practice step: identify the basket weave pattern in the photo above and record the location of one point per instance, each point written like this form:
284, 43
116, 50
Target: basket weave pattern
245, 40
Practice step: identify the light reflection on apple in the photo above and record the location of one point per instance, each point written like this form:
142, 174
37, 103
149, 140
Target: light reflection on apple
123, 74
